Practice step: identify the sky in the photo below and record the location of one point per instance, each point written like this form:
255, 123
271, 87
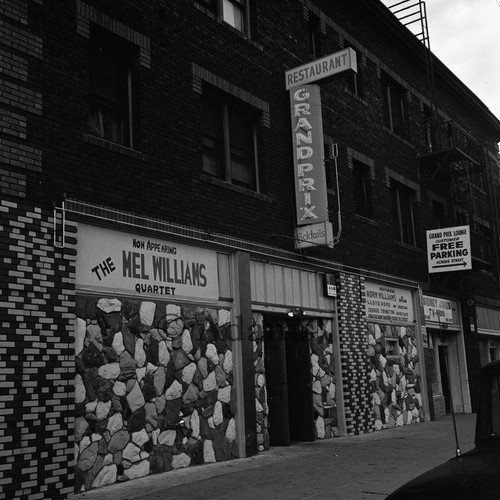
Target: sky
465, 36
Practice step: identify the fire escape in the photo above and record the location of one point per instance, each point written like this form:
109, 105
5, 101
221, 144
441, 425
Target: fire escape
448, 155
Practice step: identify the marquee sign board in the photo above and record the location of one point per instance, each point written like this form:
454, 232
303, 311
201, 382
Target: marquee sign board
112, 261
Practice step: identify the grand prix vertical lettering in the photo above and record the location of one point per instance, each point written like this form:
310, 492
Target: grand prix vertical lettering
307, 130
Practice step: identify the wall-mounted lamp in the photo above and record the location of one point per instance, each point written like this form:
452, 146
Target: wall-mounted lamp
296, 313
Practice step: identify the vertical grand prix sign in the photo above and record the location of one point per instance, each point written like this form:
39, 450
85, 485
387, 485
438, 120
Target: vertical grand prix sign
310, 177
308, 154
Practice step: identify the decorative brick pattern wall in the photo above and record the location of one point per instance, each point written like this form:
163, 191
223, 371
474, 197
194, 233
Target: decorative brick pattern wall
355, 363
36, 356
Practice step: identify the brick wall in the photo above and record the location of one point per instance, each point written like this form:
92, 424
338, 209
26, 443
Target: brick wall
19, 100
353, 348
36, 357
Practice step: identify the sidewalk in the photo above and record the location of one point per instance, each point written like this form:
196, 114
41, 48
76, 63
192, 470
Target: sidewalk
366, 467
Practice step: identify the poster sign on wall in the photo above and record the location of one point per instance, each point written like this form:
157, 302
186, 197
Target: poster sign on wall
440, 311
388, 303
449, 249
115, 261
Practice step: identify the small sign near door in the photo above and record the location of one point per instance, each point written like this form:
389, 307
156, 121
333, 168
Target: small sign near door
330, 288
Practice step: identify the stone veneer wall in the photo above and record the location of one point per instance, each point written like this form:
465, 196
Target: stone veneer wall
36, 355
261, 408
394, 379
324, 383
153, 389
322, 377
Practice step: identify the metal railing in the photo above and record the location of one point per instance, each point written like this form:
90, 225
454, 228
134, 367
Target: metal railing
436, 137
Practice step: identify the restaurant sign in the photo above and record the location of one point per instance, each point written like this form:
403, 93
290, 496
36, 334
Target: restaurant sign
322, 69
118, 262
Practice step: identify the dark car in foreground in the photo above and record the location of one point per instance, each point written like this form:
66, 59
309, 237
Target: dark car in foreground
474, 475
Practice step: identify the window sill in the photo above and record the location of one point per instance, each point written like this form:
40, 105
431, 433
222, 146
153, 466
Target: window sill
409, 247
484, 262
112, 146
397, 136
366, 220
238, 189
228, 26
356, 96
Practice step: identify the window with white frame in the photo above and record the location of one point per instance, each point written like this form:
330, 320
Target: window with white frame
111, 60
403, 200
232, 12
229, 141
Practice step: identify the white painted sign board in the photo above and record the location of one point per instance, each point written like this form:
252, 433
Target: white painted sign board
449, 249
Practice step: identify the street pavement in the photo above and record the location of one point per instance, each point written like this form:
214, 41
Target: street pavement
365, 467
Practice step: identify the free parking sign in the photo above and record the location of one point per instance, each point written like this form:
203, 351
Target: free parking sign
448, 249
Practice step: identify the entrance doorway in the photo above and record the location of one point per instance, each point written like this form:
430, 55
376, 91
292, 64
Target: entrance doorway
288, 380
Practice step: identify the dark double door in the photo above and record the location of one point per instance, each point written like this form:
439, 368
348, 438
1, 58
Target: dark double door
288, 381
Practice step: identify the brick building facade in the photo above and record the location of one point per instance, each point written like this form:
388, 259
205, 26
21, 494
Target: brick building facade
155, 310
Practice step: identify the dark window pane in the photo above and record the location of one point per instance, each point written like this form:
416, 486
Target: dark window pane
329, 166
394, 106
213, 139
228, 141
109, 87
241, 147
362, 189
315, 35
398, 113
354, 81
210, 5
402, 209
438, 214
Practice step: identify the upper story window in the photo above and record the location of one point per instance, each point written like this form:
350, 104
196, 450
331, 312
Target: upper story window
428, 128
315, 35
482, 241
362, 186
438, 214
478, 178
394, 102
111, 59
329, 150
229, 141
354, 80
232, 12
403, 199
